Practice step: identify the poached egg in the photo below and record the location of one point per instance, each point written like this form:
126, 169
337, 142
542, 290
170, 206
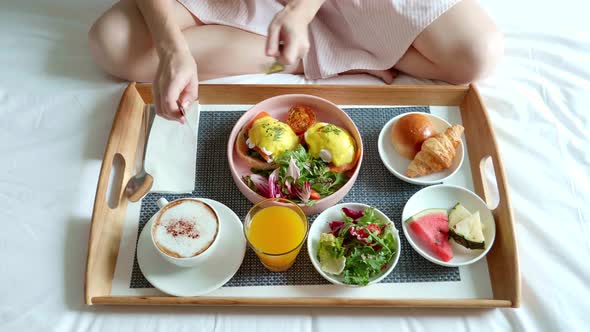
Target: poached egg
272, 137
330, 143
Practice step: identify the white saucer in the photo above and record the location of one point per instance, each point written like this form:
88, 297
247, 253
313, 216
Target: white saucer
445, 197
218, 269
397, 164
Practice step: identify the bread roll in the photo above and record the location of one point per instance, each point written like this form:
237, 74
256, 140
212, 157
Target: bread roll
409, 132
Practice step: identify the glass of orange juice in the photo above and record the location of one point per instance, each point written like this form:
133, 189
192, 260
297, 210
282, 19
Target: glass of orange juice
276, 229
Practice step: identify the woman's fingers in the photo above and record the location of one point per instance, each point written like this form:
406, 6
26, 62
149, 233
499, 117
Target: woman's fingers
289, 27
176, 87
160, 109
170, 97
176, 78
157, 87
157, 98
289, 53
294, 48
190, 93
188, 96
287, 38
272, 40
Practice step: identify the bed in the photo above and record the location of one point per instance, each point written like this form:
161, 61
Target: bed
56, 109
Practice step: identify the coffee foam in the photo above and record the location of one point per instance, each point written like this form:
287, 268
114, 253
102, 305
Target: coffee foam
186, 229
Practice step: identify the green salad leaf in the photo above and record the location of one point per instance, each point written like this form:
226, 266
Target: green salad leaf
367, 243
331, 254
312, 172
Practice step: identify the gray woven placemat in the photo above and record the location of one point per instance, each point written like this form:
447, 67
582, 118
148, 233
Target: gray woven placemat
374, 186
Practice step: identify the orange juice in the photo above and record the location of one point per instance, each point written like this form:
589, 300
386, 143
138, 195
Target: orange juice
276, 233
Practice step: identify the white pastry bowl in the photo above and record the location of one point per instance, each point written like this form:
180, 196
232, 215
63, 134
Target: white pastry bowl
397, 164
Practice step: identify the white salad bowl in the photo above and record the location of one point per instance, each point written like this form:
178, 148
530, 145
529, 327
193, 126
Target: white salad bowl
445, 197
321, 225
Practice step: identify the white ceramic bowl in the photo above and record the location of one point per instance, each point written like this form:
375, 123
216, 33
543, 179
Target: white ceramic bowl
445, 197
397, 164
321, 225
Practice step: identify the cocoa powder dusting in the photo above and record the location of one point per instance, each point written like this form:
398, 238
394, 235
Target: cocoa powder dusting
182, 228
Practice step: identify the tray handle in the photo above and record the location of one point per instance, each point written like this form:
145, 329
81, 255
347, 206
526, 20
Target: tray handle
107, 221
481, 144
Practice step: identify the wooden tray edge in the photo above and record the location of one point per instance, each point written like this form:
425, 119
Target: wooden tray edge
503, 264
301, 302
442, 95
103, 251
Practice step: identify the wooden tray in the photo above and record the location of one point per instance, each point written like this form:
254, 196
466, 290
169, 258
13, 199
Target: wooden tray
107, 221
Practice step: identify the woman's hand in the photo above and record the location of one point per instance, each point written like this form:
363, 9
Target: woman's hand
176, 82
288, 38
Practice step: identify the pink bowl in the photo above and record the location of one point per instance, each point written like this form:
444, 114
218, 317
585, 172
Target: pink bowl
278, 107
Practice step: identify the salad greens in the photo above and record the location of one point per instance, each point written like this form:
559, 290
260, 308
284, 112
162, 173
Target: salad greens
298, 176
364, 243
331, 254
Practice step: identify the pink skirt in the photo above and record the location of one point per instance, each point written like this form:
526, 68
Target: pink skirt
344, 35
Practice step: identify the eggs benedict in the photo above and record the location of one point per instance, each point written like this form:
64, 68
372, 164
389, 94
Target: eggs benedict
332, 144
264, 139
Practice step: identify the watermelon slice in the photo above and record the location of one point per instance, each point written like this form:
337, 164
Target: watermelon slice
431, 228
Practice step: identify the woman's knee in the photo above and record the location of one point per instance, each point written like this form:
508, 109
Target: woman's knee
475, 58
111, 43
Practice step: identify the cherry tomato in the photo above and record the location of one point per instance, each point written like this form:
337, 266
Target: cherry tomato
374, 228
300, 118
314, 195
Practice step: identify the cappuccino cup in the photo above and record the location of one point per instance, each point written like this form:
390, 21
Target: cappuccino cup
185, 231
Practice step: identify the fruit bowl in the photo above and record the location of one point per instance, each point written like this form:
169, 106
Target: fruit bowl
321, 225
277, 107
445, 197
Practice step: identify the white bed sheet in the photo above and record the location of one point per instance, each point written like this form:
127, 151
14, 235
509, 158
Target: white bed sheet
56, 109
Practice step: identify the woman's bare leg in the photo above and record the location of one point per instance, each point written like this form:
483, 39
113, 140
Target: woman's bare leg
120, 42
461, 46
387, 75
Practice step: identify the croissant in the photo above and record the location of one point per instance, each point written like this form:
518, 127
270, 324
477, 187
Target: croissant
437, 153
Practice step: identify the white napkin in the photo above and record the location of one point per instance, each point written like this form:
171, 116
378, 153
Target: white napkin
171, 153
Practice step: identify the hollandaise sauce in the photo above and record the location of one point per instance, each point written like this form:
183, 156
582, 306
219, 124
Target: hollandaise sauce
272, 136
330, 143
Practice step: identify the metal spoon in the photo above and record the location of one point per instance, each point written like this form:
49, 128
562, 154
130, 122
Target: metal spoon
141, 183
